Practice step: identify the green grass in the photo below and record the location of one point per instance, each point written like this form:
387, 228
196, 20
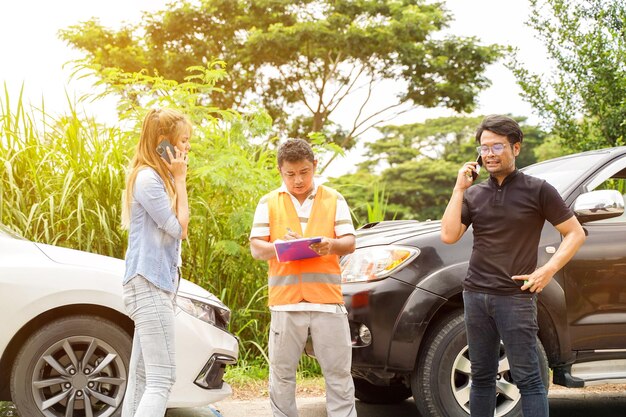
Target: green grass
7, 409
60, 179
251, 380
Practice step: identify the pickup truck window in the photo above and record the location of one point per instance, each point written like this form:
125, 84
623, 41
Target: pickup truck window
563, 172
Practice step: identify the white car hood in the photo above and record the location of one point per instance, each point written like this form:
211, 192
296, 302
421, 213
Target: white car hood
116, 266
83, 259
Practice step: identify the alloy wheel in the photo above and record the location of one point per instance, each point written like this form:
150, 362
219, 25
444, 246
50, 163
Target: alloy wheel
79, 376
507, 394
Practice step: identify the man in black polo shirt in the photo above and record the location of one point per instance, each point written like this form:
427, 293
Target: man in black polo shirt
507, 212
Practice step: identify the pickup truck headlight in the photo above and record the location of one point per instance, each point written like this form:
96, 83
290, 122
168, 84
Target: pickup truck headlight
213, 314
375, 262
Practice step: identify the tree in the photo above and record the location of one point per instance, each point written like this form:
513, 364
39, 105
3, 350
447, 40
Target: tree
582, 100
551, 147
302, 59
420, 189
434, 138
448, 138
418, 164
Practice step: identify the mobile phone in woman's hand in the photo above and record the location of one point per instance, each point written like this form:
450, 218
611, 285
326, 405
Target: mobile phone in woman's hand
162, 150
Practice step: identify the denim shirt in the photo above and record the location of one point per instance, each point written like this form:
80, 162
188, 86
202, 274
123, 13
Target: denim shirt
154, 235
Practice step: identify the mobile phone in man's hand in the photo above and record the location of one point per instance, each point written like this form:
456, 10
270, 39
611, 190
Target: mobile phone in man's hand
162, 149
480, 164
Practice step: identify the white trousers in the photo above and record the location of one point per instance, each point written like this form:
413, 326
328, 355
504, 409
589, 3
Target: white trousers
152, 361
333, 349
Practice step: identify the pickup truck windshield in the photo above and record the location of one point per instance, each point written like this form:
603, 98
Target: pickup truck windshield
563, 172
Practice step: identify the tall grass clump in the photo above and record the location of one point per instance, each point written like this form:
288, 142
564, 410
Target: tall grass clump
60, 178
377, 210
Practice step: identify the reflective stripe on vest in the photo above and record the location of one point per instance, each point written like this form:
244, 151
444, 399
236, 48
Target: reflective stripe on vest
307, 278
315, 280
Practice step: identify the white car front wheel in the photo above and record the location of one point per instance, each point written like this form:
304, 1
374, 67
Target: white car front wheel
73, 366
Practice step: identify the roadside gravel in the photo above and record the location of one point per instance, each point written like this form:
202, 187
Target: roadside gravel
314, 387
607, 390
252, 400
308, 387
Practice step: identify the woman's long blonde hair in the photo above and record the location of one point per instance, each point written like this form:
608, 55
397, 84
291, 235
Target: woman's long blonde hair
157, 125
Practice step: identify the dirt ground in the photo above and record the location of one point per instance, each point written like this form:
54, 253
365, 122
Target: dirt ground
608, 390
309, 387
251, 400
314, 387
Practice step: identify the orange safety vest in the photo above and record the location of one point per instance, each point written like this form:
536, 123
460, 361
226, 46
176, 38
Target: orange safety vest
315, 280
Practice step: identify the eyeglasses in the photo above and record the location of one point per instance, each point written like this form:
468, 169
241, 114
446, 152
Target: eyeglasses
497, 149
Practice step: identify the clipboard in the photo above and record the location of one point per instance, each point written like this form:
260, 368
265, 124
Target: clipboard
293, 250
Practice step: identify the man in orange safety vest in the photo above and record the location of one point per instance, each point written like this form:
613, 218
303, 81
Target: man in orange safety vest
305, 294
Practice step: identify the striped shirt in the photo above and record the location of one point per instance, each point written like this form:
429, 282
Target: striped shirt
343, 226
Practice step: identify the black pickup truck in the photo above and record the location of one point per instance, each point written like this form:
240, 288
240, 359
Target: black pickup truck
402, 287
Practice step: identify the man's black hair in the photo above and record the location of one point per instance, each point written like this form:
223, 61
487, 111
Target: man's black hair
295, 150
500, 125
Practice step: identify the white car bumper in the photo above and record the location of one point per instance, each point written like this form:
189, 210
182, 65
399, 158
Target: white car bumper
200, 346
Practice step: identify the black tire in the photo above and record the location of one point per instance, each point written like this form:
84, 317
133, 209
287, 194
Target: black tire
441, 379
68, 360
376, 394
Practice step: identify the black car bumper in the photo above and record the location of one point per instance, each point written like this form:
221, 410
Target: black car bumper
393, 315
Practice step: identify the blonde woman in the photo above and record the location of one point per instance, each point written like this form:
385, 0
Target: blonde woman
156, 213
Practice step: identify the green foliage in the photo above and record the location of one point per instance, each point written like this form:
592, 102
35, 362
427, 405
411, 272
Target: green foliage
376, 211
61, 181
366, 196
421, 188
417, 189
61, 178
252, 376
357, 190
618, 184
301, 59
448, 138
244, 372
550, 148
443, 137
582, 99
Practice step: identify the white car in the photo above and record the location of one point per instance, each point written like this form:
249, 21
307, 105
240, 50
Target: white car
65, 339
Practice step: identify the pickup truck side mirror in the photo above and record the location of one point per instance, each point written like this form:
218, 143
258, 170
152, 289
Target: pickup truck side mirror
598, 205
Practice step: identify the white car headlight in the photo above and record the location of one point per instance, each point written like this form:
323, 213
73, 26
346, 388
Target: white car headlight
375, 262
208, 313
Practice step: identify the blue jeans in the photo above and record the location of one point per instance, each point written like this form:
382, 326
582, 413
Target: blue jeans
152, 364
512, 319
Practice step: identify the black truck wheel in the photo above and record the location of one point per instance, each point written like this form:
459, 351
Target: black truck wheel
73, 366
376, 394
441, 380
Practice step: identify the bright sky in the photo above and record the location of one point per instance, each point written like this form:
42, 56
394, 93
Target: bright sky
32, 53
